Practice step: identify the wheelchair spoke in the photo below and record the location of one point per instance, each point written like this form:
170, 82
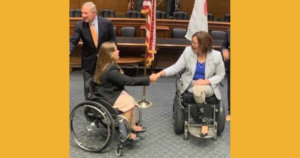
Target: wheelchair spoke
91, 126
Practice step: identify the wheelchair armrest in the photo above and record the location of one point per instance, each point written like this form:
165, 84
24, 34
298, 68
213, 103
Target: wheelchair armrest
178, 80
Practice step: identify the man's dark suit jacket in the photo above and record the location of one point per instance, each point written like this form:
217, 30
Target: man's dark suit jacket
226, 45
112, 83
89, 51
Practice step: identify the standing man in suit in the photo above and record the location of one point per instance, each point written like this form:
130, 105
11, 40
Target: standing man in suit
93, 31
226, 56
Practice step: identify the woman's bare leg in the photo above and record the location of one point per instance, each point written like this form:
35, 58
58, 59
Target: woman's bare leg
132, 120
128, 115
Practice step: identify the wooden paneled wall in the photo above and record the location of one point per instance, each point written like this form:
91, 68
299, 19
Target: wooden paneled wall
217, 7
119, 6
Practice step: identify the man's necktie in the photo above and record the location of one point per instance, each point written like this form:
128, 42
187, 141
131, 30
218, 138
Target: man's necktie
94, 34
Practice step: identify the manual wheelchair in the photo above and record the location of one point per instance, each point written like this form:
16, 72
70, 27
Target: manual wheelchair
93, 123
190, 117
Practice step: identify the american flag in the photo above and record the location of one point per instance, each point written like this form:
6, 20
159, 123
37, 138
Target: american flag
149, 9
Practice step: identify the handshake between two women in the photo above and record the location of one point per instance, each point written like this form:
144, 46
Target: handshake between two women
154, 77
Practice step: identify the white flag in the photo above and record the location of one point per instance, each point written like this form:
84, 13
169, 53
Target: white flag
198, 20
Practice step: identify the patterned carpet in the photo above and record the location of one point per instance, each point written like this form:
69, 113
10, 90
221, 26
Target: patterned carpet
159, 140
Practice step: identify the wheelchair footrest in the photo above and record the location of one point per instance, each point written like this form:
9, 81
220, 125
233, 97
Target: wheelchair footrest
196, 131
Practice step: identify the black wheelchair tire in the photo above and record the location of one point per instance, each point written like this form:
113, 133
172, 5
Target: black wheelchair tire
178, 120
221, 119
98, 106
175, 103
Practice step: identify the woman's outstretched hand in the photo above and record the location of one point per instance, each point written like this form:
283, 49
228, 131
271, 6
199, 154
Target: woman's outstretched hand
154, 78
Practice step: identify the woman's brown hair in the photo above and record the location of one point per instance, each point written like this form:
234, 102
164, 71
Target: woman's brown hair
204, 41
104, 58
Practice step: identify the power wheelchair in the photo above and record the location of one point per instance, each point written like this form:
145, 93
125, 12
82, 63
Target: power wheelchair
94, 123
189, 117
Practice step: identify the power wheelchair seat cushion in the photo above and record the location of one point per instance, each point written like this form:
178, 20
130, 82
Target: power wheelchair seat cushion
188, 98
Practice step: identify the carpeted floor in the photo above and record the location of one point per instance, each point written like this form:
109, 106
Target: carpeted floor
159, 140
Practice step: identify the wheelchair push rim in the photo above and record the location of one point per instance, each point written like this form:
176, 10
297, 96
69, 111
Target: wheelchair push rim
92, 126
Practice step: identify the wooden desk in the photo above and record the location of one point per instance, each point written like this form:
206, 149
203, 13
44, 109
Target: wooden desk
160, 42
138, 22
139, 42
161, 31
169, 43
134, 42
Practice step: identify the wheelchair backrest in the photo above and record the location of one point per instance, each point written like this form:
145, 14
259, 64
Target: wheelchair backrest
89, 85
92, 96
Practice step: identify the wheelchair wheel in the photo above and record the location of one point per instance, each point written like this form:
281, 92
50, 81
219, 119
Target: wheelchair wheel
92, 126
175, 104
138, 116
221, 119
178, 120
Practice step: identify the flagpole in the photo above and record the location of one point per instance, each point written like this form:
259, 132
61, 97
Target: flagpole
149, 6
144, 103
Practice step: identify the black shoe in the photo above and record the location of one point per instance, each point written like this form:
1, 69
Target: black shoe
134, 139
141, 131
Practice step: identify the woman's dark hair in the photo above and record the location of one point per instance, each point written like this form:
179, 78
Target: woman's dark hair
204, 41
